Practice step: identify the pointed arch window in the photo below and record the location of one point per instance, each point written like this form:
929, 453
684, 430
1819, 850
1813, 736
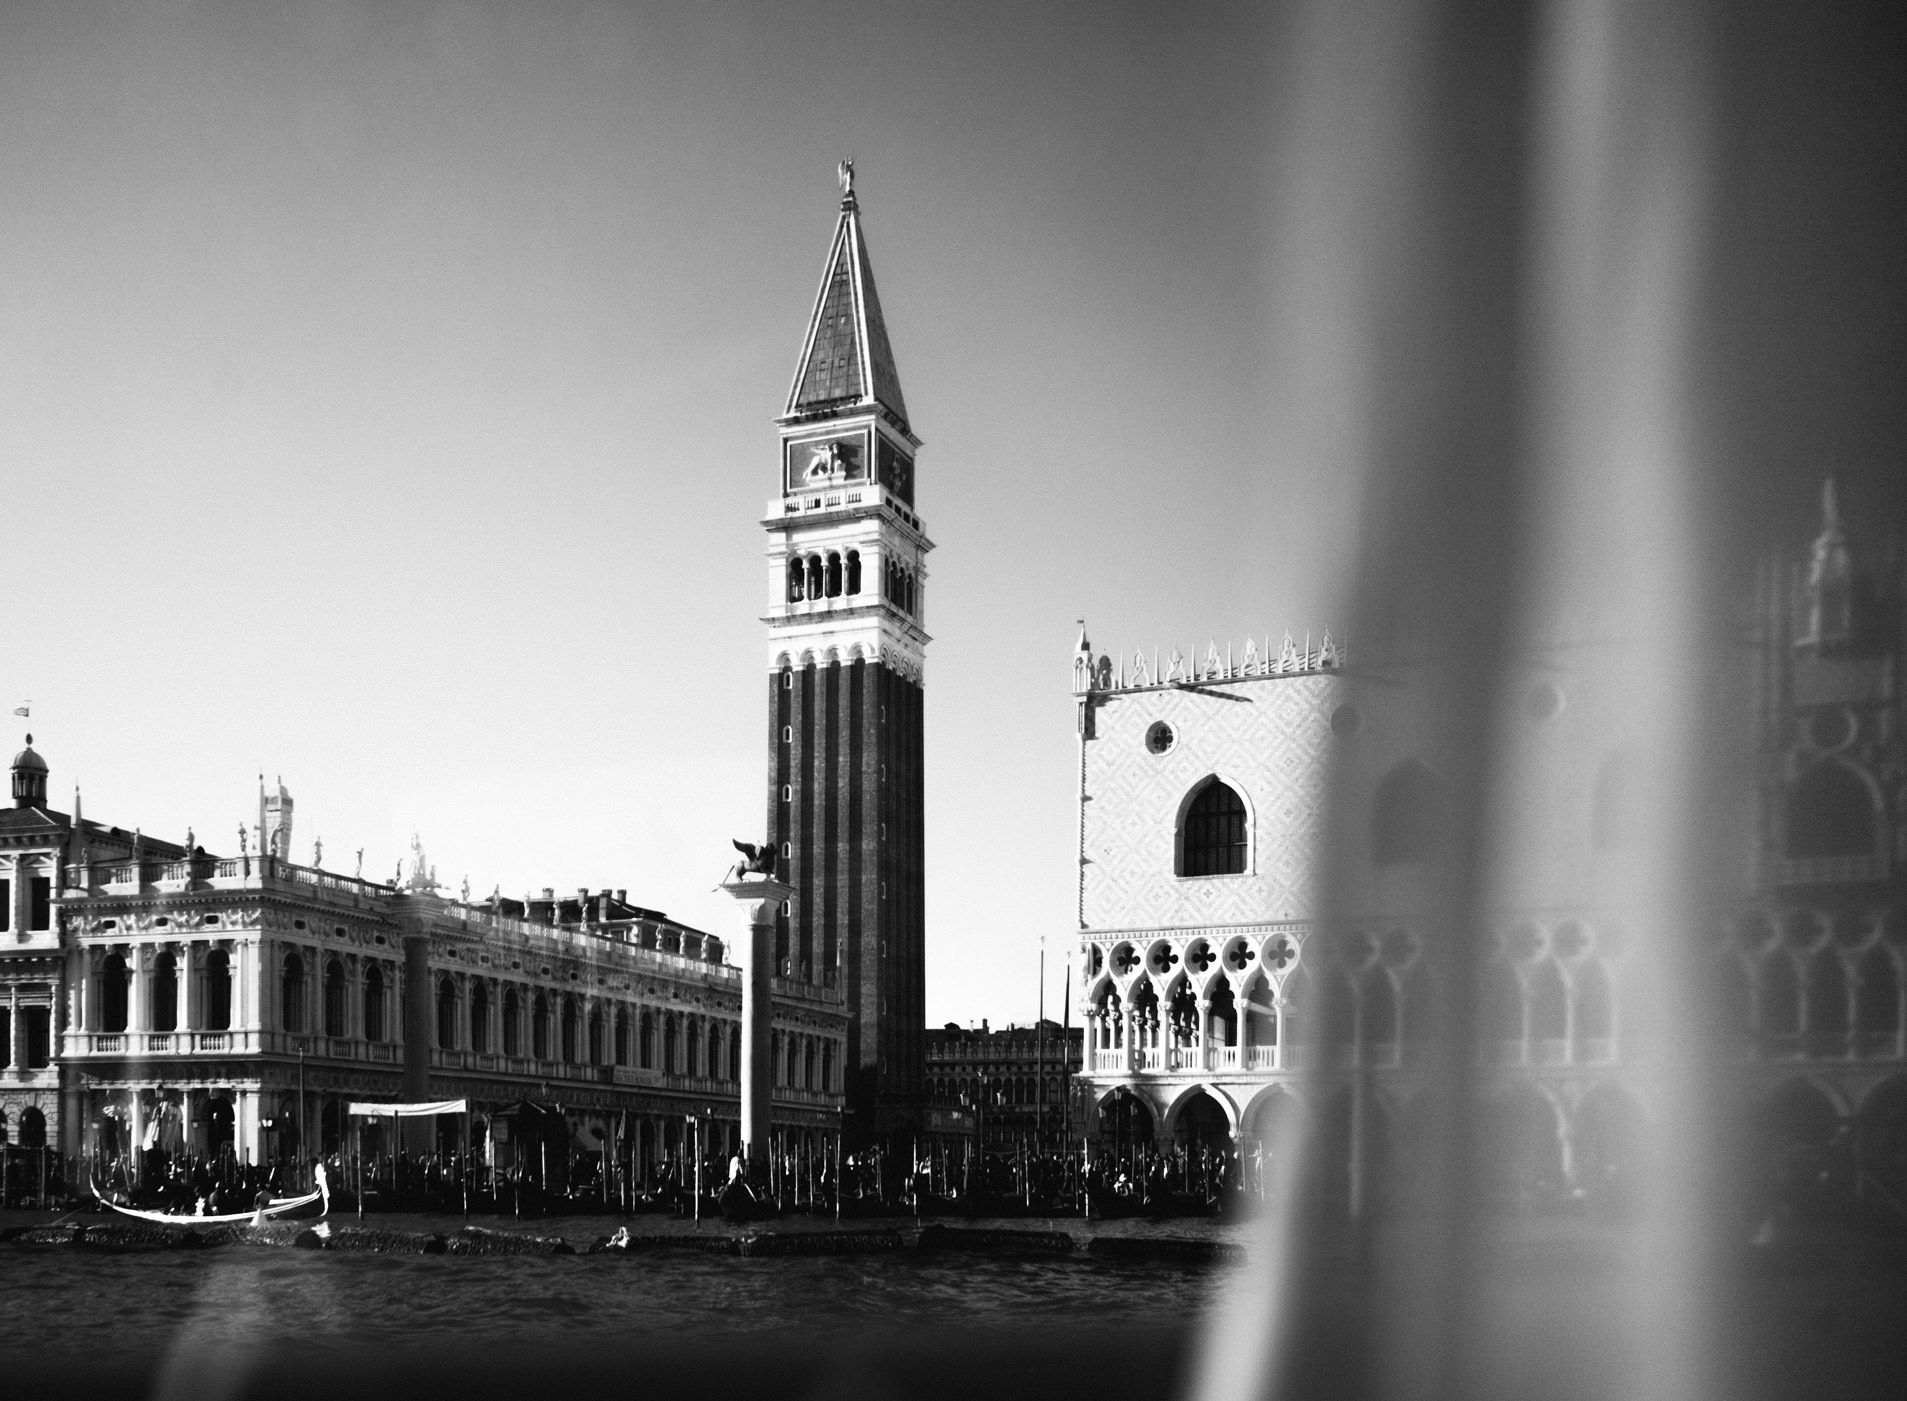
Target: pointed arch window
1407, 817
1616, 815
1214, 833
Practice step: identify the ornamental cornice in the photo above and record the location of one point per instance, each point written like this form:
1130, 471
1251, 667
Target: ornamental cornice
1136, 933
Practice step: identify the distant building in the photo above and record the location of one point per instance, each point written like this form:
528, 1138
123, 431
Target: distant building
1010, 1085
1200, 822
200, 1003
846, 656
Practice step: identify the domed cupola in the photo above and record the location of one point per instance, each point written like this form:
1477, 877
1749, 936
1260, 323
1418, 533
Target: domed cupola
29, 778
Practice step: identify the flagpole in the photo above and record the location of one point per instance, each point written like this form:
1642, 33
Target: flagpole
1039, 1037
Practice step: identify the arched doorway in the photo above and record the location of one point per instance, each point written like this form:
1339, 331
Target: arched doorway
331, 1125
1611, 1147
1796, 1136
1271, 1134
1353, 1151
1126, 1123
1523, 1148
1200, 1122
1882, 1142
219, 1134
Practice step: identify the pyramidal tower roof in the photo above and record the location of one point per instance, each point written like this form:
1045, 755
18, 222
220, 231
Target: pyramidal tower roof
846, 362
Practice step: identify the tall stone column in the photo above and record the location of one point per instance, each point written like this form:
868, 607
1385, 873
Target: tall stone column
757, 900
418, 1006
247, 1137
138, 1013
187, 975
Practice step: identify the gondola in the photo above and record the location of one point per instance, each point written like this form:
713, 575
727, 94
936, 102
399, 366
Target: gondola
289, 1209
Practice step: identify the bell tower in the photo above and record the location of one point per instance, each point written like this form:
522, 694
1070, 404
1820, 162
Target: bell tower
846, 646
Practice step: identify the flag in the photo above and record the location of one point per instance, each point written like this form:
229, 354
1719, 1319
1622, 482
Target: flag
20, 709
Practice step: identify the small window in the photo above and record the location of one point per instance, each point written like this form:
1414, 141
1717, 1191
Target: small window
1159, 737
787, 849
787, 681
787, 793
787, 734
209, 919
297, 924
162, 923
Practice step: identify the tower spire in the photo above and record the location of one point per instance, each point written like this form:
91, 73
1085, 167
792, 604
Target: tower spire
846, 362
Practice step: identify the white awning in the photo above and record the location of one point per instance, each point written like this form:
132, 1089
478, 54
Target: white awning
411, 1111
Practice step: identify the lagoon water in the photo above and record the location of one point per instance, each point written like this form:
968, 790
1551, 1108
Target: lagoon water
159, 1313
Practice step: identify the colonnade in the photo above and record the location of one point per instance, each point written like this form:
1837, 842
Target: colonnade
837, 573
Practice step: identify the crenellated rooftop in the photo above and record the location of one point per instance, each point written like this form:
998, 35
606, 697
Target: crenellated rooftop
1095, 672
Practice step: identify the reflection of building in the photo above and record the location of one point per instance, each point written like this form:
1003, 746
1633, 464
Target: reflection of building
1200, 822
846, 647
1014, 1082
198, 1001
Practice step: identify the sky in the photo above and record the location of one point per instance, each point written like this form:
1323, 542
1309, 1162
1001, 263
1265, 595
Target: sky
387, 398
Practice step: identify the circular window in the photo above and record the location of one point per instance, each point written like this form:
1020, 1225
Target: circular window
1159, 737
1346, 720
1544, 701
1830, 730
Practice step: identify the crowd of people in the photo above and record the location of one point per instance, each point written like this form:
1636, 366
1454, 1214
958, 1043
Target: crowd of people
927, 1178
